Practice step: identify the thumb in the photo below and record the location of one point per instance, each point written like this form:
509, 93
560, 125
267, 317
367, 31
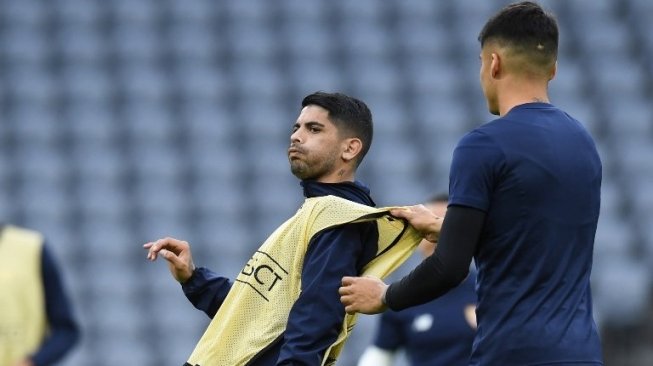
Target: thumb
346, 281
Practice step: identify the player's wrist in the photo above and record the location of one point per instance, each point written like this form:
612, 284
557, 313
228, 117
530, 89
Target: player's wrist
433, 231
188, 275
384, 294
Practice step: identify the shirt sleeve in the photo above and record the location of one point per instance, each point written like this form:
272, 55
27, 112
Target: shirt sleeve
316, 317
63, 328
206, 290
476, 164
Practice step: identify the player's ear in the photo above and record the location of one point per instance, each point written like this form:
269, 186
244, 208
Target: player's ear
351, 148
495, 65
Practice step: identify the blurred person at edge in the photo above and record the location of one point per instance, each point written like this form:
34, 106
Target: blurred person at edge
37, 326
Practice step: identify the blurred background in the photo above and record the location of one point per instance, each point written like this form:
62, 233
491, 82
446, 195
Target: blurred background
124, 121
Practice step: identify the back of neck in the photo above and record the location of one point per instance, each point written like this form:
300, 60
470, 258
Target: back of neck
520, 92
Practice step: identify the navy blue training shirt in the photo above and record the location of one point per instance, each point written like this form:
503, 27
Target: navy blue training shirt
536, 174
436, 333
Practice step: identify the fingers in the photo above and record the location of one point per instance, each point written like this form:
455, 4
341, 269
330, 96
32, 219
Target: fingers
401, 213
348, 302
346, 291
347, 280
150, 254
407, 212
362, 294
172, 258
348, 294
176, 246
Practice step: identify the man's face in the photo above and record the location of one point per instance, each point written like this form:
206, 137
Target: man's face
315, 146
439, 208
487, 81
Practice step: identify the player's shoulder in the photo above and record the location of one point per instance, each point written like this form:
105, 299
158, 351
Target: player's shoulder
21, 236
21, 232
492, 127
481, 137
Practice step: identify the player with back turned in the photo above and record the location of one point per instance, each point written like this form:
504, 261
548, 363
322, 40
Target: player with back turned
524, 203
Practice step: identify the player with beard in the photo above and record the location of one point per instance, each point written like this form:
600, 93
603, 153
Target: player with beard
283, 308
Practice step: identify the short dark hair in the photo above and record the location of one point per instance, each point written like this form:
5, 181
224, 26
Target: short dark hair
527, 28
351, 116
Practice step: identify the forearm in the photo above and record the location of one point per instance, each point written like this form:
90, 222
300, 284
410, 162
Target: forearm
206, 290
447, 267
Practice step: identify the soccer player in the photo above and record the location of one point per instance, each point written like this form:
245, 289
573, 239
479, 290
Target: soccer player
524, 202
37, 326
437, 333
284, 308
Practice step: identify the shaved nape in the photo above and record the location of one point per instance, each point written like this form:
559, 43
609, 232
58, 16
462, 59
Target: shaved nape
531, 60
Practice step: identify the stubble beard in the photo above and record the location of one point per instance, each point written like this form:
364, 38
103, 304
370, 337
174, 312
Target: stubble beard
313, 168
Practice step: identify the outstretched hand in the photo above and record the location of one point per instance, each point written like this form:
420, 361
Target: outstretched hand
422, 219
178, 255
363, 295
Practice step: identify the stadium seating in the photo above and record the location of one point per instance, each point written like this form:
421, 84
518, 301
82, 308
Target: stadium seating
129, 120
